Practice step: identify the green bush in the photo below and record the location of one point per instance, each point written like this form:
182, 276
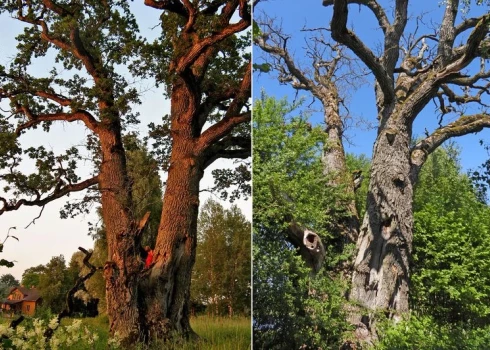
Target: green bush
424, 332
292, 308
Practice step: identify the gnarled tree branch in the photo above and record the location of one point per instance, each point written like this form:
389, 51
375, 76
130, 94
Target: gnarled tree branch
462, 126
58, 192
341, 34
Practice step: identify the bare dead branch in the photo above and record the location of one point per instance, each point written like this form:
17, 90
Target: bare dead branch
37, 217
462, 126
466, 24
375, 8
393, 35
471, 49
447, 32
70, 296
282, 53
341, 34
467, 98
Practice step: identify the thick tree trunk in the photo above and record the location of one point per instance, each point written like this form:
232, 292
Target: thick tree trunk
381, 270
121, 270
165, 296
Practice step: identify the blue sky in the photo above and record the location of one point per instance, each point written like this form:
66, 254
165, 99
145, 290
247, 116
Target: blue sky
295, 15
52, 236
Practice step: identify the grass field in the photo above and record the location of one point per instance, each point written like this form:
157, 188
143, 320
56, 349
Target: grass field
216, 333
220, 333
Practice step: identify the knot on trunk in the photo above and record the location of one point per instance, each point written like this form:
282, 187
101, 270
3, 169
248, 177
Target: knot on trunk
399, 181
388, 226
109, 268
390, 135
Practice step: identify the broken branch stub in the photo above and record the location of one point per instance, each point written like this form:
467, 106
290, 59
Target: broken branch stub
310, 245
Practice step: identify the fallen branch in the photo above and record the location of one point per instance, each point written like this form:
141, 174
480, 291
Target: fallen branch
16, 322
70, 296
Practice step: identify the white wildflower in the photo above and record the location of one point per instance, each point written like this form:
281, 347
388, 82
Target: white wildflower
17, 342
115, 341
53, 324
77, 324
4, 329
20, 331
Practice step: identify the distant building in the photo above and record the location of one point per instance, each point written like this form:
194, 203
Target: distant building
21, 300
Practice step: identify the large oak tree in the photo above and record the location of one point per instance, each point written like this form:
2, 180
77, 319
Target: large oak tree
201, 61
410, 71
445, 64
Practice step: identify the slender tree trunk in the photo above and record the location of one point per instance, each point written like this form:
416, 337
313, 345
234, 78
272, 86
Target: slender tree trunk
335, 166
381, 270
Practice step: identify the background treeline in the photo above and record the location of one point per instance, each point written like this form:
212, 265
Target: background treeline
450, 294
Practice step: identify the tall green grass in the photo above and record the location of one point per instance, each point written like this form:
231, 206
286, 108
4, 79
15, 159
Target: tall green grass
222, 333
216, 333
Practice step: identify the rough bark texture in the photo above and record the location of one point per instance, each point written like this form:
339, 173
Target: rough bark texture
380, 278
335, 164
121, 270
142, 303
164, 289
320, 82
167, 296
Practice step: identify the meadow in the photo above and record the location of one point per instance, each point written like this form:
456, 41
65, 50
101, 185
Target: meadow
216, 333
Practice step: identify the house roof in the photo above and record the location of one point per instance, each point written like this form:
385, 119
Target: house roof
30, 294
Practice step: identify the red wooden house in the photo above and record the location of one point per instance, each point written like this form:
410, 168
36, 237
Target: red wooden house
21, 300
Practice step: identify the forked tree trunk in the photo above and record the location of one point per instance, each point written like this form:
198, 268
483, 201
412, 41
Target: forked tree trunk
144, 305
167, 293
381, 270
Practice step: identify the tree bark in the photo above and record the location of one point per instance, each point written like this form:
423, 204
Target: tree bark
166, 294
141, 303
121, 270
335, 165
381, 270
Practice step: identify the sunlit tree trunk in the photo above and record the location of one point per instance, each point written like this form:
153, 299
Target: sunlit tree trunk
381, 270
166, 296
121, 273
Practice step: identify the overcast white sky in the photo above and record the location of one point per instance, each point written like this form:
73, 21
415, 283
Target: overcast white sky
51, 236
